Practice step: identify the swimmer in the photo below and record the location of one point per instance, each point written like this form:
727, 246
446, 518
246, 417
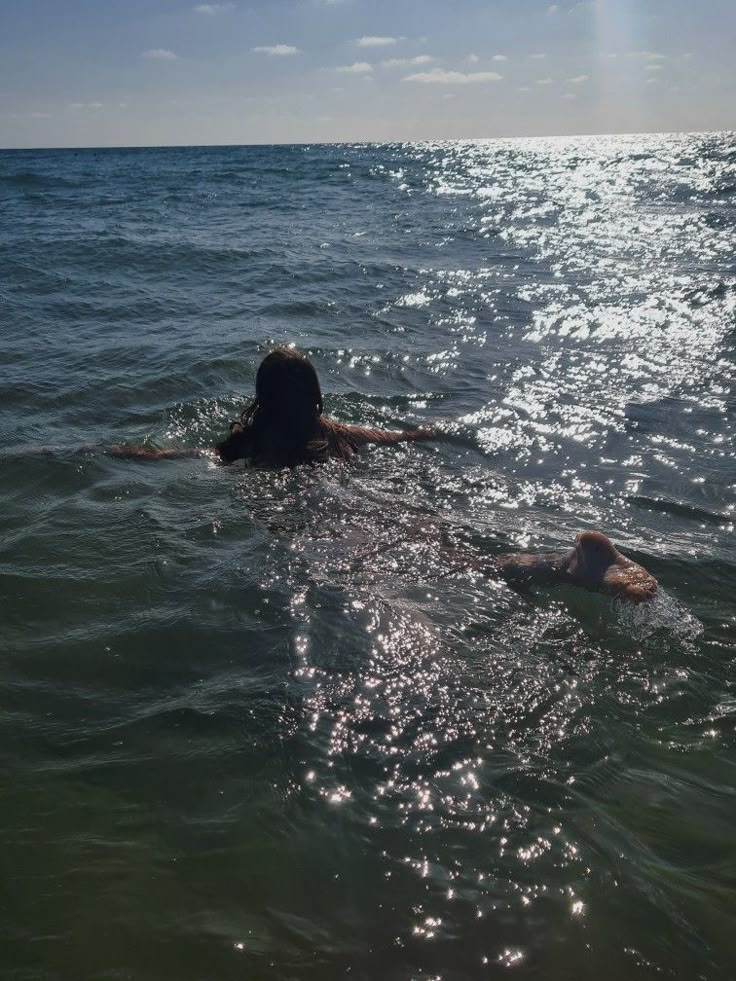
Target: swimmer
593, 563
284, 426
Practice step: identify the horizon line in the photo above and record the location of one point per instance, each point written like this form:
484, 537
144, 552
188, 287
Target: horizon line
454, 139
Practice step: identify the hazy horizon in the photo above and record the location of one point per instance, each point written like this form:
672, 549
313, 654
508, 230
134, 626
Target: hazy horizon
174, 73
453, 139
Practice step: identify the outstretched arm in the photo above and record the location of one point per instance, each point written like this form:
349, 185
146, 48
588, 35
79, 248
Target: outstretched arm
237, 446
146, 453
116, 450
362, 435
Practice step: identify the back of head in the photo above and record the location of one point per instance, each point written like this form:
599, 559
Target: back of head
285, 414
594, 549
287, 388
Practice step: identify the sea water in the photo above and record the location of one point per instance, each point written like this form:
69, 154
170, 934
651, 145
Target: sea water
275, 725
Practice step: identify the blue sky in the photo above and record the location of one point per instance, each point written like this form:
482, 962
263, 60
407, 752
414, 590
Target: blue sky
108, 72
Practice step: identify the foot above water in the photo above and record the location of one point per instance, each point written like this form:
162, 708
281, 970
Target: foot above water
594, 563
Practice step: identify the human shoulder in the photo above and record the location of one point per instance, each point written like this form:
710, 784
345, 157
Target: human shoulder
238, 445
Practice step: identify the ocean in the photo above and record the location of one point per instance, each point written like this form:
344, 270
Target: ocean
272, 725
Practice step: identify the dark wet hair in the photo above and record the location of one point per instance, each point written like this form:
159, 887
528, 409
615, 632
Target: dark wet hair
287, 389
284, 420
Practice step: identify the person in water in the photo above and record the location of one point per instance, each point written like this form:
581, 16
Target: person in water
284, 426
593, 562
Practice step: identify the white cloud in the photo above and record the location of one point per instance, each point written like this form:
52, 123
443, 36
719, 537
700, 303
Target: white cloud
537, 56
473, 59
578, 79
278, 50
523, 88
570, 96
357, 68
500, 57
212, 8
654, 66
553, 8
373, 41
403, 62
159, 54
85, 105
438, 76
545, 81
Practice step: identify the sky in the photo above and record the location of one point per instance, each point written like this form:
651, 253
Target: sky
158, 72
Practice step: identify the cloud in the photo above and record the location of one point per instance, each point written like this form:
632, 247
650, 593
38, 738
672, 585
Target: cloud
553, 8
277, 50
85, 105
578, 79
403, 62
26, 115
438, 76
545, 81
570, 96
473, 59
374, 41
499, 57
537, 56
357, 68
212, 8
159, 54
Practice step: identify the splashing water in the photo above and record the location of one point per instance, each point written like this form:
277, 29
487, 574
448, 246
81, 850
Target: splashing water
663, 613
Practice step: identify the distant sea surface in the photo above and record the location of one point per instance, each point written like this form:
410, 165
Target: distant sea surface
272, 725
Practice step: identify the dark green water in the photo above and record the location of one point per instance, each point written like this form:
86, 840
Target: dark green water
264, 725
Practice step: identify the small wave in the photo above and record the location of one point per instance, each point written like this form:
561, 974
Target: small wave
420, 299
29, 178
663, 614
679, 509
23, 179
